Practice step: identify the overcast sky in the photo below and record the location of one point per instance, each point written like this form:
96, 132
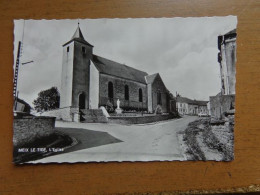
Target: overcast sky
183, 50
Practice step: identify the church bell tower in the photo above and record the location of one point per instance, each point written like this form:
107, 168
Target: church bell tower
75, 78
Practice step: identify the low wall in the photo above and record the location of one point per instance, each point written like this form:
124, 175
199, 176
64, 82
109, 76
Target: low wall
139, 119
94, 116
28, 128
220, 104
66, 114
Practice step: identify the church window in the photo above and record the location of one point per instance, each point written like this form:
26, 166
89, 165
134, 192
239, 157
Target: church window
126, 92
110, 90
68, 48
159, 98
140, 95
83, 49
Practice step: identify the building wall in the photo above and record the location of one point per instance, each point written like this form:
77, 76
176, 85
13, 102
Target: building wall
66, 76
81, 71
182, 108
220, 104
65, 113
173, 106
208, 107
228, 64
203, 109
193, 109
19, 107
119, 92
94, 87
231, 64
158, 87
149, 98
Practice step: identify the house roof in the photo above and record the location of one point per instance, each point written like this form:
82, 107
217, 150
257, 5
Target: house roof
23, 102
120, 70
231, 32
201, 103
184, 100
190, 101
78, 36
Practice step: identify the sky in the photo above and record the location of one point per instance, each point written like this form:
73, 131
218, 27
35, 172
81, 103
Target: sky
182, 50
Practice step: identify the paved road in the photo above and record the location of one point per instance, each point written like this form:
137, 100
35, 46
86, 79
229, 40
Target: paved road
150, 142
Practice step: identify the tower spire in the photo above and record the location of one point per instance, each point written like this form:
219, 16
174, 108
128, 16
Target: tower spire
78, 36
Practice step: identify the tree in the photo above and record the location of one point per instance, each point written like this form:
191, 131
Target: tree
47, 100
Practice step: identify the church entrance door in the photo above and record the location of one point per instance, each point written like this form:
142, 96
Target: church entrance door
81, 105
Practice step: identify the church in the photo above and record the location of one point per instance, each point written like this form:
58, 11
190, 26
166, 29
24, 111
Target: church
89, 81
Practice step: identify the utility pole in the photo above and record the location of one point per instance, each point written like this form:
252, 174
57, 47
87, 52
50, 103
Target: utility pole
15, 92
16, 74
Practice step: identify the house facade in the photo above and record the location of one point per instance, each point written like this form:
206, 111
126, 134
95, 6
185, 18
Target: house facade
186, 106
224, 101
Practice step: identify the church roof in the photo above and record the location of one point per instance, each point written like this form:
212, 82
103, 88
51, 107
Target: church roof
150, 78
120, 70
78, 36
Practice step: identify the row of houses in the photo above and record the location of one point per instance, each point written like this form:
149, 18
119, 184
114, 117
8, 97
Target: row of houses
186, 106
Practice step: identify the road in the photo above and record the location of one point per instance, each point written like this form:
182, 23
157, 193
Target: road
146, 142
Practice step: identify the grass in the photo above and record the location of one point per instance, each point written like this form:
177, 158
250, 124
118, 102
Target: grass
194, 152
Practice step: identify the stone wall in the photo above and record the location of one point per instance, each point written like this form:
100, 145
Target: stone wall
81, 70
139, 119
220, 104
94, 116
158, 87
28, 128
67, 75
119, 92
66, 114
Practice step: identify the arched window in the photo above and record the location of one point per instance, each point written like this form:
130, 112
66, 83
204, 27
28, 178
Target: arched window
140, 95
159, 98
126, 92
110, 90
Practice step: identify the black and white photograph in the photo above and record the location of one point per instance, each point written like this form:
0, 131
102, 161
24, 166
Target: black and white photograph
116, 90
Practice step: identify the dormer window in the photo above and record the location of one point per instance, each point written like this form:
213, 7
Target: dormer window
68, 48
83, 50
